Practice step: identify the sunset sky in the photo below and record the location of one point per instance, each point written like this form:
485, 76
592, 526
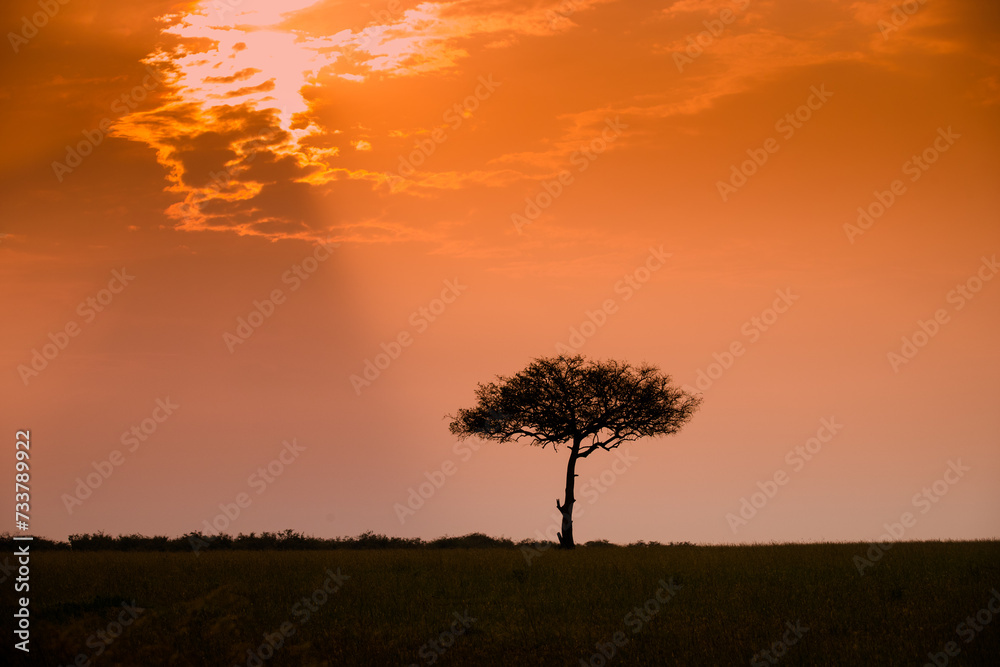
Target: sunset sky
239, 234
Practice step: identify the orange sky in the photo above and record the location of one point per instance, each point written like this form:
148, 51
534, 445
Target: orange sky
677, 183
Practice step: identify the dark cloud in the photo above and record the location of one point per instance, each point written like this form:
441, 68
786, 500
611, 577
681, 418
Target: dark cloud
239, 76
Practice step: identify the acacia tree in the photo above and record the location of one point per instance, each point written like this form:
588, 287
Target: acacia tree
584, 405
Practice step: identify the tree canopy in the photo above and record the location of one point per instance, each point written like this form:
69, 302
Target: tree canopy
555, 400
587, 405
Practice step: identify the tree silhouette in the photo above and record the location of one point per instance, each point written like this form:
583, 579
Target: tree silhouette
588, 406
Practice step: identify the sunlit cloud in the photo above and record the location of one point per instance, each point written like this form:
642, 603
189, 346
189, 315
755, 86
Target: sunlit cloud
238, 102
259, 117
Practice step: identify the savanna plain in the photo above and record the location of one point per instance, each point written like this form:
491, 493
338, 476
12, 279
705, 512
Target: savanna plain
643, 604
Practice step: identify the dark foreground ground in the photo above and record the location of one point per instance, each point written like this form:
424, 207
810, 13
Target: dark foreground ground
655, 605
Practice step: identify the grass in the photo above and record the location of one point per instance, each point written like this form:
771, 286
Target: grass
732, 602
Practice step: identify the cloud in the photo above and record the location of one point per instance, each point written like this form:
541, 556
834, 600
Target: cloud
236, 129
271, 115
238, 76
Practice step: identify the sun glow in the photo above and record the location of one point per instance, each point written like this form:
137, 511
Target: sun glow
236, 75
235, 117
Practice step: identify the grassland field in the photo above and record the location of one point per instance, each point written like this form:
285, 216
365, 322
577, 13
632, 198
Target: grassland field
593, 606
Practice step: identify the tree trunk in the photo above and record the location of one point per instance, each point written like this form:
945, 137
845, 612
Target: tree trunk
566, 536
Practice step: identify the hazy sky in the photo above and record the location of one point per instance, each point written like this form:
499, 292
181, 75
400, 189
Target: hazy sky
237, 238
